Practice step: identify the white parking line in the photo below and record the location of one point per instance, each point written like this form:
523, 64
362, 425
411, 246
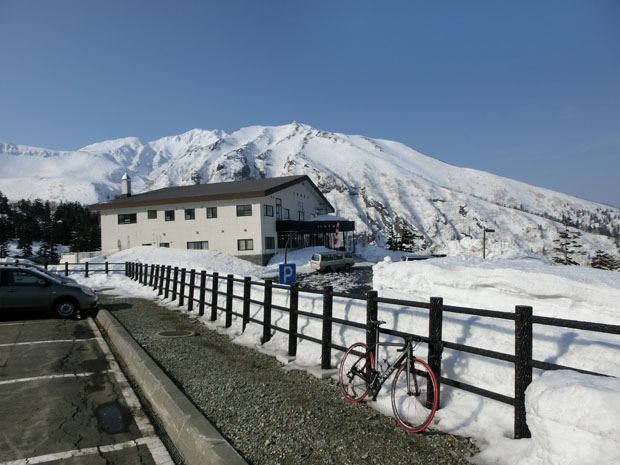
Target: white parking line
38, 378
156, 447
152, 442
51, 341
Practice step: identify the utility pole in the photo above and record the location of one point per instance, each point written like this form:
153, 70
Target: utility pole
484, 240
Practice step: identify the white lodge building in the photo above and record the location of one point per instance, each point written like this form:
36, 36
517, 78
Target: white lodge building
249, 219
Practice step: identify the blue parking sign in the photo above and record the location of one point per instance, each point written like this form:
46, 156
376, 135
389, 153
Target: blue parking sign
288, 273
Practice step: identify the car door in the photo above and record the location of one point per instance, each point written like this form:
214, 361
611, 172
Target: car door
25, 289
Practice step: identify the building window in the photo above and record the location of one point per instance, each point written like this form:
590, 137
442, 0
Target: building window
211, 212
198, 245
287, 214
244, 210
147, 245
190, 214
245, 244
169, 215
301, 216
164, 244
268, 210
127, 218
278, 209
151, 214
270, 242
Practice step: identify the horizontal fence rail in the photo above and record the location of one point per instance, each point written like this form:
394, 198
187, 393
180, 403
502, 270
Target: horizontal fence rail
87, 268
173, 283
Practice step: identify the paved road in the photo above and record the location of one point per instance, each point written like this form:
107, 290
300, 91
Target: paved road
63, 398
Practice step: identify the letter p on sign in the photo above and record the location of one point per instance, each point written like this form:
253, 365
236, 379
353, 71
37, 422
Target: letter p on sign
288, 273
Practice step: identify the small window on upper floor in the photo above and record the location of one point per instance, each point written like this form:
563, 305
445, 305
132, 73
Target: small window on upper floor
127, 218
151, 214
211, 212
169, 215
190, 214
268, 210
244, 210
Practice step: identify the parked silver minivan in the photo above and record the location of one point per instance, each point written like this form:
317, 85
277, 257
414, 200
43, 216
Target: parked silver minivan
331, 261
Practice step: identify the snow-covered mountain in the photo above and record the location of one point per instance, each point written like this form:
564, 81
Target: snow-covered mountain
379, 183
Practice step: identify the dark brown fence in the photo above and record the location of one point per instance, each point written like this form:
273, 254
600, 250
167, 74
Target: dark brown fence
87, 268
172, 283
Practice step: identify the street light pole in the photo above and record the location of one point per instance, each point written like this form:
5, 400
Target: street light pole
484, 241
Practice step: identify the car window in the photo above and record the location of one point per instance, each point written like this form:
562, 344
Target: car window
316, 257
24, 278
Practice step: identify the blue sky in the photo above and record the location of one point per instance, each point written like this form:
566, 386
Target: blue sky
526, 89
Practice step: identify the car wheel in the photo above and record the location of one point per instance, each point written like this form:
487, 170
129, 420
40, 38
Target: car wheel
65, 308
328, 269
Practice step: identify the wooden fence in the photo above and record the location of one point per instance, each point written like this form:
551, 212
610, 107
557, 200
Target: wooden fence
181, 284
87, 268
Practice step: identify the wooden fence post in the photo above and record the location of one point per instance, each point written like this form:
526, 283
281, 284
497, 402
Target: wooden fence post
175, 281
182, 287
326, 338
371, 315
167, 288
67, 269
86, 269
435, 343
161, 279
267, 312
229, 300
247, 290
151, 275
214, 292
293, 317
523, 367
190, 300
145, 281
201, 299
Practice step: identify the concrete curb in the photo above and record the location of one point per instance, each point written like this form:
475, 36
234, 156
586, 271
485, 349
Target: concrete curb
195, 438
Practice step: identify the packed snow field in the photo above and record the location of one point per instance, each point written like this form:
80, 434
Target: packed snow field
573, 418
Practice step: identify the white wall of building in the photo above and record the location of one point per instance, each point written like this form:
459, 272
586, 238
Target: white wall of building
221, 233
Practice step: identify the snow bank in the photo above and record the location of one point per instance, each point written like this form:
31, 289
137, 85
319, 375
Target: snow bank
553, 290
574, 420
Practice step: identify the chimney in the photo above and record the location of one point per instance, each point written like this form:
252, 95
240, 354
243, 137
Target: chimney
126, 186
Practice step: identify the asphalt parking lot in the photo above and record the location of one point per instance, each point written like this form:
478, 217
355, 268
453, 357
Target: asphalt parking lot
63, 398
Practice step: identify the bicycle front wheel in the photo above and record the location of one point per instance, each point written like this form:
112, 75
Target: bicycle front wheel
414, 397
356, 370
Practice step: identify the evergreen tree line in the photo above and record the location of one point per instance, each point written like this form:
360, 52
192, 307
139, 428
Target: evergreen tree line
568, 249
28, 221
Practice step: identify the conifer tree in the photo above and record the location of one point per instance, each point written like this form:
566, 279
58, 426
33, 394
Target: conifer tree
604, 261
568, 247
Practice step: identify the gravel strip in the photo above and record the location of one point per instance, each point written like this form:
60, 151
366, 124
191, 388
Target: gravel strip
272, 416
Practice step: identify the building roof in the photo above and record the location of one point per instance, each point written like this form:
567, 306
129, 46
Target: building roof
215, 191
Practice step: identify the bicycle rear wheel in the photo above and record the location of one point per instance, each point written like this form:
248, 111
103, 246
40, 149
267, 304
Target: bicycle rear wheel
414, 401
355, 372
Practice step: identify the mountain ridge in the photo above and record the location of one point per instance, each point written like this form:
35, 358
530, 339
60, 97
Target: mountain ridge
381, 184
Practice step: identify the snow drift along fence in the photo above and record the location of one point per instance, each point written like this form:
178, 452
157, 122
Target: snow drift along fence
173, 283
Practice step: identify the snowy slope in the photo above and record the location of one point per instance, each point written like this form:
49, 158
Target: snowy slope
376, 182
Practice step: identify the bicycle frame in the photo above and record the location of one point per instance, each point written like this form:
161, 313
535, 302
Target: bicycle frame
379, 378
